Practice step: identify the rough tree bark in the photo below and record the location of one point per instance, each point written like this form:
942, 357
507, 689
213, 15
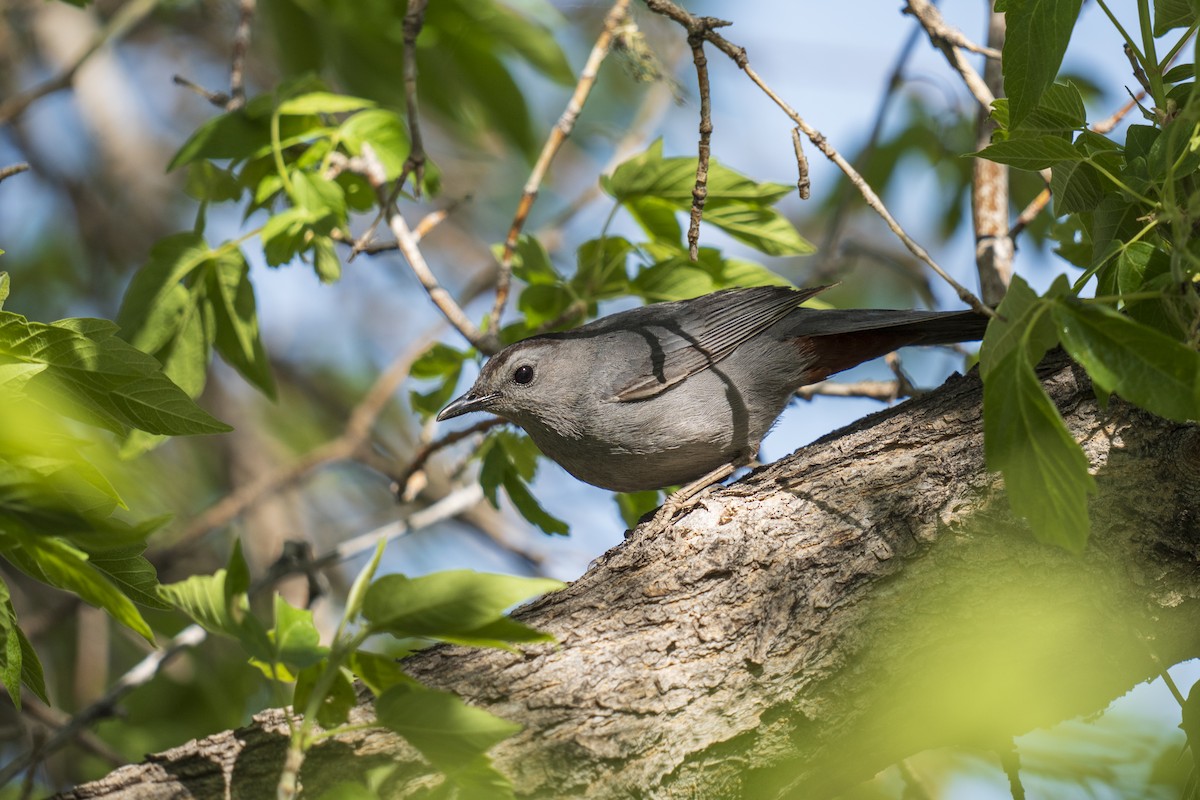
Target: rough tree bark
864, 599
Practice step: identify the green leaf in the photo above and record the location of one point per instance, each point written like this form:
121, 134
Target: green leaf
1169, 14
501, 634
297, 641
1038, 32
4, 284
1139, 363
543, 303
764, 229
104, 380
11, 655
155, 304
335, 706
1076, 187
319, 196
234, 135
635, 505
326, 263
676, 279
57, 563
530, 508
530, 261
673, 179
658, 218
31, 669
452, 735
438, 361
378, 673
208, 182
535, 43
1034, 153
386, 133
218, 603
131, 572
601, 271
235, 313
1045, 471
19, 664
446, 603
1022, 325
323, 103
510, 460
283, 235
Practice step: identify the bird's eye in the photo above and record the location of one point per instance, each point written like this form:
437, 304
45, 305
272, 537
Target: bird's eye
523, 374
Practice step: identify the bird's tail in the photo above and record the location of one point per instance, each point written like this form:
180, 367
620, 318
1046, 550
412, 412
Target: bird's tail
838, 339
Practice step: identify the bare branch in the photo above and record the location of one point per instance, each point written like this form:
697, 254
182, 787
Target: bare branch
803, 184
994, 247
218, 99
558, 135
700, 190
125, 19
241, 44
13, 169
739, 57
400, 484
947, 39
414, 20
141, 674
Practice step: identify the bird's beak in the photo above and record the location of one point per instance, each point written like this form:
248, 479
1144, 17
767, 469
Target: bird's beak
466, 404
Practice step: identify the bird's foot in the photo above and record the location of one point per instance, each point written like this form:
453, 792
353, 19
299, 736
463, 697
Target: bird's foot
685, 497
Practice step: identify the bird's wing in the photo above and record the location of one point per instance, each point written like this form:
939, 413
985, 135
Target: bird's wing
704, 331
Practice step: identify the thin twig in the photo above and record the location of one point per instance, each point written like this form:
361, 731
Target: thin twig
1138, 72
88, 741
1010, 761
13, 169
419, 458
371, 169
558, 135
887, 391
739, 57
700, 189
139, 675
947, 38
241, 45
994, 247
218, 99
803, 184
830, 245
407, 243
422, 229
125, 18
414, 20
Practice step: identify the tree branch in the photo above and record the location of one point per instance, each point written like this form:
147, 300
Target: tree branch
864, 599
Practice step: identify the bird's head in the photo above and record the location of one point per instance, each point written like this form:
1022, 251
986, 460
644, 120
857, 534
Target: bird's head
520, 383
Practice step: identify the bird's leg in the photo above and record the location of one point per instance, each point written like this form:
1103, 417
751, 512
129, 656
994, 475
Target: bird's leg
685, 496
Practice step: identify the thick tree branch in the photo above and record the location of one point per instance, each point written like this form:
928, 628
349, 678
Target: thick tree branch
866, 598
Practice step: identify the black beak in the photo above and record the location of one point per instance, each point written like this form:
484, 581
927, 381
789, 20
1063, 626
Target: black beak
466, 404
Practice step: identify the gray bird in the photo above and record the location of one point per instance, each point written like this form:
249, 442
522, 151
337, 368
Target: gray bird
684, 392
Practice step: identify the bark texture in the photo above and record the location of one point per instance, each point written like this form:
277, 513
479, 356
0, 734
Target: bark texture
864, 599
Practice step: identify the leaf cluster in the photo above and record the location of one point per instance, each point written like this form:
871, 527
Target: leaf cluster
63, 384
1127, 206
458, 607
